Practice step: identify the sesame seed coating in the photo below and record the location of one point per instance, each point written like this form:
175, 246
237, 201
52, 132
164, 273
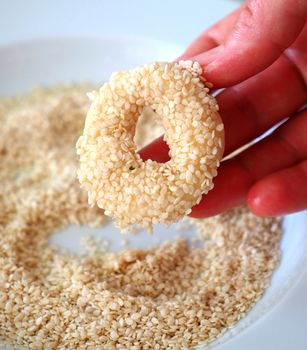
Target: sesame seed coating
141, 193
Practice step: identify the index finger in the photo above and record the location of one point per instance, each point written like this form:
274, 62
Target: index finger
264, 29
213, 36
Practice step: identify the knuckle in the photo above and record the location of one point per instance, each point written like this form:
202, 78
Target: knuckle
249, 15
213, 37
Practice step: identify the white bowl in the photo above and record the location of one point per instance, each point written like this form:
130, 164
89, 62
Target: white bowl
43, 62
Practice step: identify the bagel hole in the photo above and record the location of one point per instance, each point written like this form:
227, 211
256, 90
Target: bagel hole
148, 127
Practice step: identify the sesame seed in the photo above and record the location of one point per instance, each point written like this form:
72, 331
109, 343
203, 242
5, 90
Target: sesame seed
114, 335
52, 299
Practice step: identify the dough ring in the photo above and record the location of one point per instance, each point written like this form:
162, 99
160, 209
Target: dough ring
141, 193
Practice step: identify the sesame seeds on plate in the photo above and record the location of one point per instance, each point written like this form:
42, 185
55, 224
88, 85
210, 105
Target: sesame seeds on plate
173, 295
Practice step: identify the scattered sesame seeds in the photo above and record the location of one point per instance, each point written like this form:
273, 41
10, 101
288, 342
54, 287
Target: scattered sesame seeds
110, 166
170, 296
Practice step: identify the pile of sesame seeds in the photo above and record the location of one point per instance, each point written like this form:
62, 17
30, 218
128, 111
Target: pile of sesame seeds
116, 178
173, 295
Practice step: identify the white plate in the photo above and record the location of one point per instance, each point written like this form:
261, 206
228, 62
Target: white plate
27, 64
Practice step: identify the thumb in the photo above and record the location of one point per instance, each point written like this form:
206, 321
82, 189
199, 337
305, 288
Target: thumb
264, 29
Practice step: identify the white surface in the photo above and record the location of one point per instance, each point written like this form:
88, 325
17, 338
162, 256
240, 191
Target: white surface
177, 21
278, 321
26, 64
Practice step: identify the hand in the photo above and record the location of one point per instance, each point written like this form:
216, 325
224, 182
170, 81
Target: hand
259, 54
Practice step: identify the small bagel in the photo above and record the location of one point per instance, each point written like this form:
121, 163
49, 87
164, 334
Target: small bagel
141, 193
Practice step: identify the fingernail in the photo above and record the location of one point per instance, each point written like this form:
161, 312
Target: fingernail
204, 58
208, 57
181, 57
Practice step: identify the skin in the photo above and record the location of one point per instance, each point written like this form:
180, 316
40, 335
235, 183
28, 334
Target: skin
258, 54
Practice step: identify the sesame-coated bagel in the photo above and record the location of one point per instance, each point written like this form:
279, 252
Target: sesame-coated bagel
116, 178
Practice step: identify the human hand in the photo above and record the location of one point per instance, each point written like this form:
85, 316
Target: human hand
259, 54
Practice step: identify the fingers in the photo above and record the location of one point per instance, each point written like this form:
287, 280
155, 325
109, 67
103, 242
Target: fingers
230, 188
284, 148
156, 150
212, 37
264, 29
297, 53
280, 193
253, 106
250, 108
